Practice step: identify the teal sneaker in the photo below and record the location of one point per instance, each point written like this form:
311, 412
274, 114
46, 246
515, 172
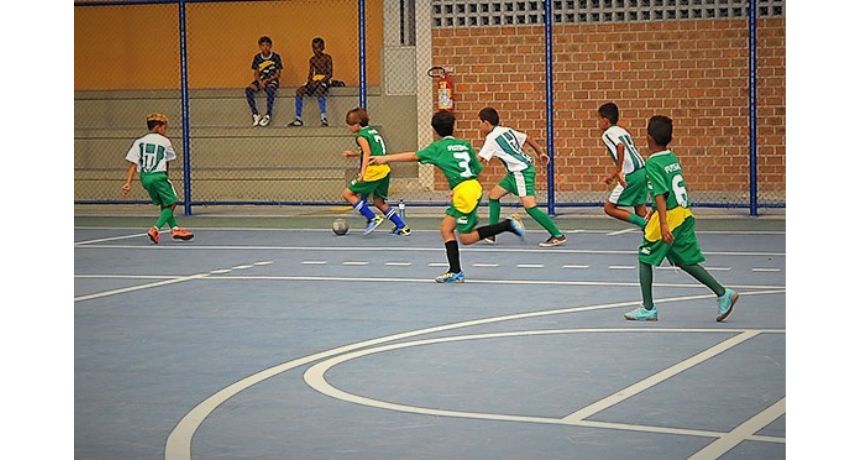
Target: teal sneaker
402, 231
451, 277
373, 223
517, 227
642, 314
726, 303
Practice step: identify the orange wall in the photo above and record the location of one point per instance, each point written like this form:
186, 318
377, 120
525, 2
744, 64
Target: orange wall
136, 47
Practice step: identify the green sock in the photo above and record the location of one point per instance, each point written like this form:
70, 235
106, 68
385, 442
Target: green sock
171, 222
637, 220
495, 211
165, 216
544, 220
646, 279
697, 271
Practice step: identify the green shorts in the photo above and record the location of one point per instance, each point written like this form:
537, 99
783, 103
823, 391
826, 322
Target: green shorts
520, 183
160, 189
636, 192
466, 221
377, 188
683, 251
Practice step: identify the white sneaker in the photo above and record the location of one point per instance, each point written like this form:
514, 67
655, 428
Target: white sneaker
265, 120
256, 119
323, 121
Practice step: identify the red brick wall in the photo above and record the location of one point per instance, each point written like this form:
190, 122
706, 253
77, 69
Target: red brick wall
693, 71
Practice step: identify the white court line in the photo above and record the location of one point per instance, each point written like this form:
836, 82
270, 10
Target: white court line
265, 262
574, 266
666, 268
621, 232
529, 265
765, 269
401, 248
725, 443
223, 270
242, 267
398, 264
485, 265
314, 262
326, 230
621, 267
661, 376
718, 269
356, 262
113, 238
437, 264
142, 286
131, 277
178, 446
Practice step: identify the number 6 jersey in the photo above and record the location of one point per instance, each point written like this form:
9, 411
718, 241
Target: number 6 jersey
663, 171
151, 153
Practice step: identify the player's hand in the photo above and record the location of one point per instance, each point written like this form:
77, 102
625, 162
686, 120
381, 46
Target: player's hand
621, 179
545, 158
667, 236
126, 188
377, 160
347, 153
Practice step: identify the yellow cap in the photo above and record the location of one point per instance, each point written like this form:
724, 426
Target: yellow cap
157, 117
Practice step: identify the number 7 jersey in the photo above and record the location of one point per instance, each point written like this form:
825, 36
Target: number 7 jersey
663, 172
151, 153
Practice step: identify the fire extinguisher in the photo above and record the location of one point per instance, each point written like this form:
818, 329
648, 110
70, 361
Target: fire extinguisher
443, 85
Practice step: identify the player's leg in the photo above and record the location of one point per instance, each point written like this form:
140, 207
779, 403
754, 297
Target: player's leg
271, 89
452, 251
320, 91
496, 194
355, 194
512, 225
556, 238
651, 254
634, 194
250, 90
300, 103
611, 209
379, 197
168, 197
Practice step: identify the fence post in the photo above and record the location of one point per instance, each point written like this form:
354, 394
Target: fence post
751, 14
550, 130
362, 57
186, 144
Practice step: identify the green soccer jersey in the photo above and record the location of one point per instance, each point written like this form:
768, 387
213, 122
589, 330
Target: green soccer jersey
455, 157
374, 139
663, 170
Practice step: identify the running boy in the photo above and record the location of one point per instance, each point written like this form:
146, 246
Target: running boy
149, 156
267, 67
629, 169
457, 160
506, 144
372, 179
671, 231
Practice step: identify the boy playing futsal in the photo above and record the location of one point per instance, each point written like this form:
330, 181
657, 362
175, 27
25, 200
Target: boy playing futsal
629, 169
671, 231
506, 144
149, 156
457, 160
372, 179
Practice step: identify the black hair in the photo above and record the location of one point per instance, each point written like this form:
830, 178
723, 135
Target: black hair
318, 40
357, 115
151, 124
443, 123
489, 115
264, 39
660, 129
609, 111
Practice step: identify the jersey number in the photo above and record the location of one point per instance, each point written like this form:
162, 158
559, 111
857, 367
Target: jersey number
151, 156
680, 190
464, 164
378, 138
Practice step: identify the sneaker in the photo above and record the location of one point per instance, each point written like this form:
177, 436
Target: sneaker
297, 122
375, 222
265, 120
642, 314
554, 241
324, 121
402, 231
256, 118
152, 233
490, 240
726, 303
451, 277
179, 233
517, 226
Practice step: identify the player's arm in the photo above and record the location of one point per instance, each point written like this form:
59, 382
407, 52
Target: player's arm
404, 156
365, 159
310, 70
329, 68
619, 165
350, 153
666, 234
534, 146
128, 178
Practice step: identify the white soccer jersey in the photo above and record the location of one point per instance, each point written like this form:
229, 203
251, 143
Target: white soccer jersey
506, 144
632, 159
151, 153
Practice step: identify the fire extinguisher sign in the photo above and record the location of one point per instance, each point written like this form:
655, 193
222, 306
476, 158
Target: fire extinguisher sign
444, 88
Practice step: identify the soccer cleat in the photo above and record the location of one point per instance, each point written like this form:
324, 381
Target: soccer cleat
265, 120
402, 231
554, 241
179, 233
517, 226
152, 233
373, 223
726, 303
297, 122
323, 121
490, 240
256, 118
642, 314
451, 277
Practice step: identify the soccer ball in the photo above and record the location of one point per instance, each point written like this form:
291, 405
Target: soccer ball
339, 227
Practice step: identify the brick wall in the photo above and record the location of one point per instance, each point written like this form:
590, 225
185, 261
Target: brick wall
693, 71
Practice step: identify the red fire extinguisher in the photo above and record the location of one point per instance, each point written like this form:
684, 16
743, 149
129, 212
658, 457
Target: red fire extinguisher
443, 85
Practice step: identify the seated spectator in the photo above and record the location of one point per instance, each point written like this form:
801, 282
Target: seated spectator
267, 67
319, 80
